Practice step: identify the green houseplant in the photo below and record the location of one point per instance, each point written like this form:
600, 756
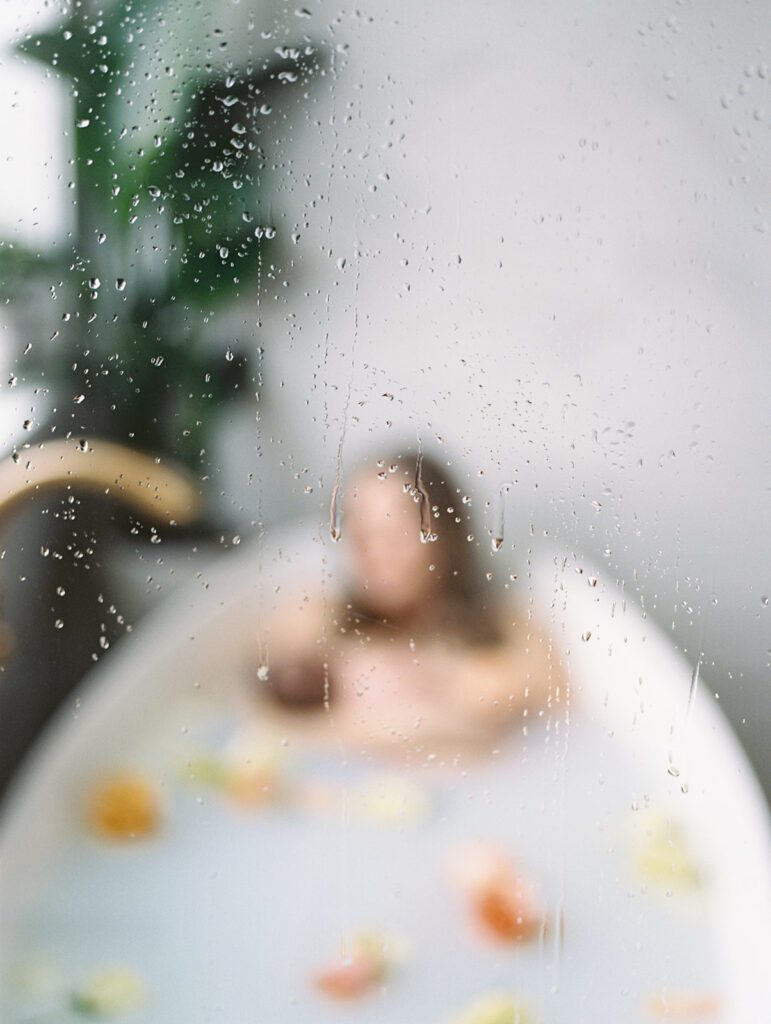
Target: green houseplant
171, 226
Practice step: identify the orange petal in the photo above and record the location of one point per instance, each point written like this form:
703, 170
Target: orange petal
505, 913
350, 979
124, 807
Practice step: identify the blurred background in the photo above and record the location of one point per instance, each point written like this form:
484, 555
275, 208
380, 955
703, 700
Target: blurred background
252, 239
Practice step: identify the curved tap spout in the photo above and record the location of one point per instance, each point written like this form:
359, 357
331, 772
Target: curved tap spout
148, 487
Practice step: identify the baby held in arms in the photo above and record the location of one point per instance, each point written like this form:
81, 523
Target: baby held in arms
415, 649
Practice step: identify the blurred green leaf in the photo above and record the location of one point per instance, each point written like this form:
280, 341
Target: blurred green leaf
20, 265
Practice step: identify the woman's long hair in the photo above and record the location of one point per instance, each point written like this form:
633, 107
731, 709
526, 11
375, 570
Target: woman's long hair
465, 612
443, 519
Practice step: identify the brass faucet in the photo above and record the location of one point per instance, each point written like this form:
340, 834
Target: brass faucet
148, 487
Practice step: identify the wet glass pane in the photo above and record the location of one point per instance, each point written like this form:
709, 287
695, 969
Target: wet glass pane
384, 624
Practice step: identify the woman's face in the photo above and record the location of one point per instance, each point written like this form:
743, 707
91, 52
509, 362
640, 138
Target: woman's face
390, 567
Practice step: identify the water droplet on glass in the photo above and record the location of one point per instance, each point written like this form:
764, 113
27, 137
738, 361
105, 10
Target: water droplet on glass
335, 527
120, 284
421, 496
262, 673
586, 635
500, 515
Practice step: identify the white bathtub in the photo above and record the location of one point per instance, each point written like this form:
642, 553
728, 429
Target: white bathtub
626, 678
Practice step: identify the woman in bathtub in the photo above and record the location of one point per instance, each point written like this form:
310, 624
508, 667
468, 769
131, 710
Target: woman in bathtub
416, 650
